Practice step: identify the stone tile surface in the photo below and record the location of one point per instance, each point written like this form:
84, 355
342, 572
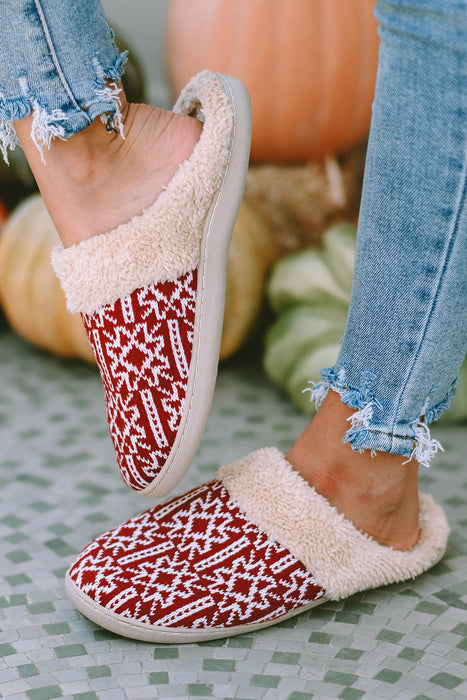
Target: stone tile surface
59, 488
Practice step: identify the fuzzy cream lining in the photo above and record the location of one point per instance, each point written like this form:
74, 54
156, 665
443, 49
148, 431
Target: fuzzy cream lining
164, 242
343, 559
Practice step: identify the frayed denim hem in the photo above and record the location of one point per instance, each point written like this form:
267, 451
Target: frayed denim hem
48, 124
363, 434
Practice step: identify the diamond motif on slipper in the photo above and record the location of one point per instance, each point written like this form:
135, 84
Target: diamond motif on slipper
143, 346
249, 549
151, 293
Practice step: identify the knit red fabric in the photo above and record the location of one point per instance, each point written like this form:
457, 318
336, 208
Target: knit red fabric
195, 561
143, 345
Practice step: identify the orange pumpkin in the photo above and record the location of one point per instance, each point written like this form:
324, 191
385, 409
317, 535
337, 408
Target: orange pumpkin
309, 66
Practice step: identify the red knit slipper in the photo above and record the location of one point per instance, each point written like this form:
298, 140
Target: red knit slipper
245, 551
151, 293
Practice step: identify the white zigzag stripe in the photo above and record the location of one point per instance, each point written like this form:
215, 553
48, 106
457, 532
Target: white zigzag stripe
132, 469
157, 551
281, 610
217, 558
127, 310
190, 609
177, 348
153, 417
100, 356
175, 505
121, 598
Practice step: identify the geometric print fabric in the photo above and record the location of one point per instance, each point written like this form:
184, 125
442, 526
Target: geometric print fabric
143, 344
195, 561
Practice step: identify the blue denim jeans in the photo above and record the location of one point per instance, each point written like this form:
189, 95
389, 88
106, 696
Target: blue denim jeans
405, 337
58, 60
406, 333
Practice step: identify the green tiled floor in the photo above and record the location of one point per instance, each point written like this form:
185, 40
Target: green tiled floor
59, 488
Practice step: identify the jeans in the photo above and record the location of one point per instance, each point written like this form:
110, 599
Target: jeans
405, 337
58, 59
406, 333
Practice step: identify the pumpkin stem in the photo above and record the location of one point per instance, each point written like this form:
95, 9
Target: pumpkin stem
336, 183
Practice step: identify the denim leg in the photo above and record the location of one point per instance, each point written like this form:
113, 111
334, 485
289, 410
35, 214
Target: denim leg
58, 60
405, 337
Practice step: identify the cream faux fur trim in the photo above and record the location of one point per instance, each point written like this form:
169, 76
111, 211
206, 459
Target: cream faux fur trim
164, 242
343, 559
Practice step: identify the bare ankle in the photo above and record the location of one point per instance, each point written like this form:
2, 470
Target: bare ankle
95, 181
377, 493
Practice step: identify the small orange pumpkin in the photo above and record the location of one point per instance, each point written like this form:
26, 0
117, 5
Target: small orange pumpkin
309, 65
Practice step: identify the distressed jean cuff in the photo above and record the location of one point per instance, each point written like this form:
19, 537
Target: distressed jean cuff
411, 438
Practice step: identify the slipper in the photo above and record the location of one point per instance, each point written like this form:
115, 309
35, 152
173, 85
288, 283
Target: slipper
151, 293
251, 548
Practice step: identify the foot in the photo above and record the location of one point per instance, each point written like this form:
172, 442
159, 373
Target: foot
96, 180
141, 288
249, 549
378, 494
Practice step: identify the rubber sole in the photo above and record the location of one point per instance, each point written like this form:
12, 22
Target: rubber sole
209, 314
166, 635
